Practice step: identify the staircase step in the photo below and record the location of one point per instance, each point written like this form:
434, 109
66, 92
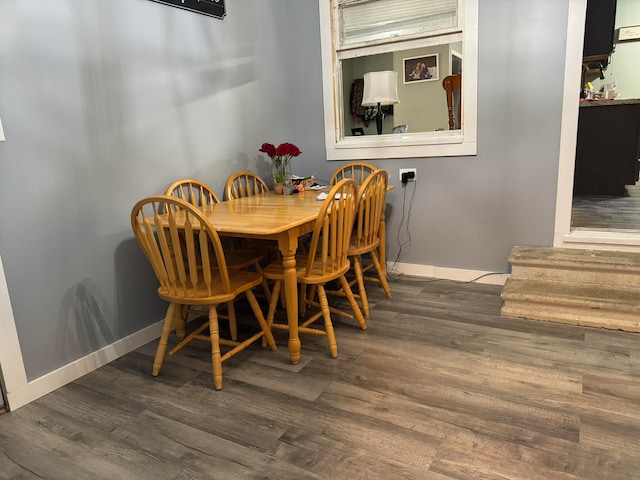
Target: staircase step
602, 306
569, 265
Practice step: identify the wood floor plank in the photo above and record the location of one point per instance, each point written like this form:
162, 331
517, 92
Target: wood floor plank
196, 405
481, 460
79, 451
176, 443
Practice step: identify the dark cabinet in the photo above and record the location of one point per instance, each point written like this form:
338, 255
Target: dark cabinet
599, 30
608, 147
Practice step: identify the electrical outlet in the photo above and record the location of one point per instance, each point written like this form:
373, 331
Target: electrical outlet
408, 170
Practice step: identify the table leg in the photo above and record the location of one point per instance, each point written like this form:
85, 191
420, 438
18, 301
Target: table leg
288, 247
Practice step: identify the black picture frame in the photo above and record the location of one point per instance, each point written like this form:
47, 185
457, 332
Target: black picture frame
356, 132
211, 8
424, 68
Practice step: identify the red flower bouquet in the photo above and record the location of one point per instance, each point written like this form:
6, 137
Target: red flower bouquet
280, 158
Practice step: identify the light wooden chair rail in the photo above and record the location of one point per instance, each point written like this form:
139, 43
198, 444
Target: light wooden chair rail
183, 247
244, 184
358, 171
325, 261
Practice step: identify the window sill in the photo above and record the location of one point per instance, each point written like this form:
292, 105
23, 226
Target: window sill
442, 144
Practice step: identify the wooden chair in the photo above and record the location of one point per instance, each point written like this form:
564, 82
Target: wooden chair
326, 261
365, 238
244, 184
358, 171
187, 277
200, 195
193, 191
452, 85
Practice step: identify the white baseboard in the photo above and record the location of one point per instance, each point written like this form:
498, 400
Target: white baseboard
68, 373
459, 275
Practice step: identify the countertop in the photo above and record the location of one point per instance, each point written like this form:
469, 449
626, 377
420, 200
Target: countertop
602, 103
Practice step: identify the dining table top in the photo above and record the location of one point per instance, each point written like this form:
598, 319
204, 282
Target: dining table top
264, 214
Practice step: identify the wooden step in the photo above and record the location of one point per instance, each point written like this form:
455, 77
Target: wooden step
568, 265
590, 305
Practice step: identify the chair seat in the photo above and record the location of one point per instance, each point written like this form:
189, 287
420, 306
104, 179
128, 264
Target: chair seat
358, 248
275, 271
240, 281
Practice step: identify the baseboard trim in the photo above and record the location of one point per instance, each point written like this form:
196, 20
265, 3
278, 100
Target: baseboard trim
68, 373
457, 274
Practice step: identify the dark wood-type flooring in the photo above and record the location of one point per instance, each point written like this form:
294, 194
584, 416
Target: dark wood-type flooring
439, 387
602, 212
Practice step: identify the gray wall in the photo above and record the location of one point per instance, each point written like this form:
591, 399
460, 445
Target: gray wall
104, 102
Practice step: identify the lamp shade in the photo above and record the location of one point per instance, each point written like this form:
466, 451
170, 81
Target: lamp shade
380, 88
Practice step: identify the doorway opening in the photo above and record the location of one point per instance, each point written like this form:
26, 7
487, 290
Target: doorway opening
593, 234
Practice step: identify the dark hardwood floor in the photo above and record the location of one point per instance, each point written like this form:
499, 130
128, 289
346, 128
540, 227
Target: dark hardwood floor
439, 387
608, 213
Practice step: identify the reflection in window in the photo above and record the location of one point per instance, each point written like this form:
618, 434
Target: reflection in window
423, 102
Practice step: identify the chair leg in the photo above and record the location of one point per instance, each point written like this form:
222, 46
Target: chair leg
352, 301
265, 285
328, 326
307, 298
169, 319
273, 304
362, 292
216, 358
283, 299
181, 315
382, 273
233, 324
302, 300
263, 325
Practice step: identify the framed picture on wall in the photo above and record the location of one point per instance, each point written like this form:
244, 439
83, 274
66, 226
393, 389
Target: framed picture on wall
421, 69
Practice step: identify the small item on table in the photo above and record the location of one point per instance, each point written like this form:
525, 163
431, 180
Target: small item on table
300, 184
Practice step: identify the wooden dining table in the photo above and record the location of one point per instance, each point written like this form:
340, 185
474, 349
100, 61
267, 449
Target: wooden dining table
283, 218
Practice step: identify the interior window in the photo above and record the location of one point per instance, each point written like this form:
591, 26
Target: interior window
424, 43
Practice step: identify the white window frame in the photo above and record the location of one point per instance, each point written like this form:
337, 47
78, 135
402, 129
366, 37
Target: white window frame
410, 145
